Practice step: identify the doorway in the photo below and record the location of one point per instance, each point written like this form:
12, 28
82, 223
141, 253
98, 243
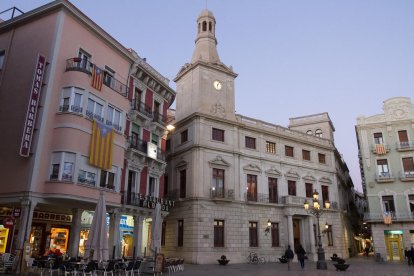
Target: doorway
296, 234
394, 244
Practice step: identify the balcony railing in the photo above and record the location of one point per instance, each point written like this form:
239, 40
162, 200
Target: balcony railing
159, 118
138, 144
403, 146
384, 177
142, 108
92, 116
380, 149
73, 108
78, 64
222, 194
400, 216
116, 85
261, 198
407, 176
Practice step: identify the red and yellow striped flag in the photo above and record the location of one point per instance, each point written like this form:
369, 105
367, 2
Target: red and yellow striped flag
101, 146
97, 77
380, 149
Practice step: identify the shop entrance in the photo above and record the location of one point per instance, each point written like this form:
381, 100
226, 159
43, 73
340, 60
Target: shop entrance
394, 244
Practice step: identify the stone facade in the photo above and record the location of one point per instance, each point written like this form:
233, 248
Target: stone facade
386, 150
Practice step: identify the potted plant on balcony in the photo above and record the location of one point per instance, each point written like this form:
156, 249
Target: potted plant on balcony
341, 265
223, 260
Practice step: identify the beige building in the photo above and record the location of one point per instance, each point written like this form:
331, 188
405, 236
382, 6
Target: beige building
240, 183
386, 152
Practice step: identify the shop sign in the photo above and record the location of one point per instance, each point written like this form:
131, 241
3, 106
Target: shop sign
149, 202
16, 212
52, 216
8, 222
393, 232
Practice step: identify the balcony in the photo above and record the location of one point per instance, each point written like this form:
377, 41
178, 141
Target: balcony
142, 108
146, 201
405, 146
261, 198
78, 64
380, 149
159, 118
384, 177
224, 194
407, 176
72, 108
116, 85
141, 146
400, 216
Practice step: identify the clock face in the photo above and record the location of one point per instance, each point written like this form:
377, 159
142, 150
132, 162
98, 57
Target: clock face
217, 85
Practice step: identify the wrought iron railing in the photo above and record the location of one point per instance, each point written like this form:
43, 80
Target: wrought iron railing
384, 177
406, 145
142, 108
137, 144
159, 118
73, 108
407, 176
222, 193
116, 85
79, 64
92, 116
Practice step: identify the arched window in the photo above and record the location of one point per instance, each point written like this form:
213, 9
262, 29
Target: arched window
309, 132
210, 26
318, 133
204, 26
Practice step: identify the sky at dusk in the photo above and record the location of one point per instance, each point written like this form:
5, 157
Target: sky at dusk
294, 58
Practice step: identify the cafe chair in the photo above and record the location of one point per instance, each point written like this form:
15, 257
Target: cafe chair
90, 269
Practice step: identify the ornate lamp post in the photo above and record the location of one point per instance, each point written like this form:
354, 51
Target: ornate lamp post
317, 211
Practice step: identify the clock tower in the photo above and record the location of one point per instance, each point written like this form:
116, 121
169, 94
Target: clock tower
205, 85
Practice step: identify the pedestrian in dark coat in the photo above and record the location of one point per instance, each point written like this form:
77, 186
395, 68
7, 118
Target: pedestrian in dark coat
289, 256
301, 256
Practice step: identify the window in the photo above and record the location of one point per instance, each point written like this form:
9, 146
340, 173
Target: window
250, 142
275, 234
152, 186
289, 151
388, 204
87, 174
403, 138
71, 100
382, 166
411, 202
84, 59
218, 183
135, 135
325, 194
273, 196
408, 166
109, 77
251, 187
253, 234
163, 230
155, 139
329, 235
218, 233
218, 134
318, 133
309, 189
183, 183
94, 110
86, 177
306, 155
63, 165
321, 158
270, 147
107, 180
2, 56
291, 187
309, 132
180, 236
184, 136
378, 138
113, 117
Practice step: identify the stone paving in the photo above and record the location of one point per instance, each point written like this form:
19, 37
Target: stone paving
363, 266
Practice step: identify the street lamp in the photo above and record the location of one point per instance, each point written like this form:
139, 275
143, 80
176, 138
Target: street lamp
317, 211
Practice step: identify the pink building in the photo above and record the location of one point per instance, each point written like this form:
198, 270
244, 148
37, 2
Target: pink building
61, 75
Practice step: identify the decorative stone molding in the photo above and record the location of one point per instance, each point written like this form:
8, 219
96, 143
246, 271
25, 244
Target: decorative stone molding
219, 161
386, 192
309, 177
252, 167
292, 174
273, 172
218, 110
325, 179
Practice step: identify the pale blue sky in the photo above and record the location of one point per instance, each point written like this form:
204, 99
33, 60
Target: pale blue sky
294, 58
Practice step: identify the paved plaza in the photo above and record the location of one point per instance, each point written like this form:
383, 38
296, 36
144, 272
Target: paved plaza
358, 266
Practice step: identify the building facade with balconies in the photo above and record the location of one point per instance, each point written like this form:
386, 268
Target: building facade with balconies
386, 153
240, 183
72, 129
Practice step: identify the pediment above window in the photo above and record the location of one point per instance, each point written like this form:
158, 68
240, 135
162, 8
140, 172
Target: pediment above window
292, 174
273, 172
325, 179
309, 177
219, 161
252, 167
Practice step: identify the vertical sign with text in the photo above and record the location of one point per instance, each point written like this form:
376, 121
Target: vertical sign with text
34, 97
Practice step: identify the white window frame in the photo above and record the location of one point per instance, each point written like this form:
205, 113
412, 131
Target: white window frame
84, 166
380, 169
94, 112
110, 118
70, 94
156, 185
85, 59
114, 170
62, 158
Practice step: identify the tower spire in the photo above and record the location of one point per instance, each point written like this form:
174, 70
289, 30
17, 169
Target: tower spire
206, 42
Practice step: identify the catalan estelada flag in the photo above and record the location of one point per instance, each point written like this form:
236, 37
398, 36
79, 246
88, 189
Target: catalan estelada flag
101, 146
97, 77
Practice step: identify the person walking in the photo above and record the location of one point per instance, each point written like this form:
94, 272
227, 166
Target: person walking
289, 256
301, 256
